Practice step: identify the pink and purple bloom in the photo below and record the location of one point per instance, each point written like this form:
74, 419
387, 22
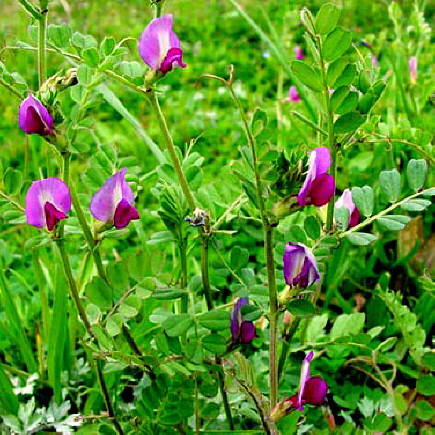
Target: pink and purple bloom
113, 203
34, 118
241, 330
47, 202
375, 62
311, 391
299, 266
293, 94
319, 186
160, 47
413, 69
299, 54
345, 201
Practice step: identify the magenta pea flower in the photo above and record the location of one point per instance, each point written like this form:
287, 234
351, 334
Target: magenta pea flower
241, 330
345, 201
319, 186
293, 94
113, 203
299, 54
299, 266
47, 202
160, 47
34, 118
311, 391
413, 69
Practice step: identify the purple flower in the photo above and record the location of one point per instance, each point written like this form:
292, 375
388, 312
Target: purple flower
345, 201
47, 202
114, 202
375, 61
34, 118
299, 54
311, 391
413, 69
160, 47
299, 266
293, 94
241, 330
319, 186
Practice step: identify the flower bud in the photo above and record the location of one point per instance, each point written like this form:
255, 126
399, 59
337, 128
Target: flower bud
34, 118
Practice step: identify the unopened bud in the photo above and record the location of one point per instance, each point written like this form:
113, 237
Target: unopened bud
287, 318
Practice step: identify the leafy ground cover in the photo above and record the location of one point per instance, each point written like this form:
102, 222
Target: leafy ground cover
219, 222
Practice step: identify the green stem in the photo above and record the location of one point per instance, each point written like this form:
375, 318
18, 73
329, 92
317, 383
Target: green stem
224, 396
331, 137
76, 297
204, 271
183, 260
171, 148
42, 37
11, 88
308, 122
73, 287
106, 396
382, 213
30, 9
42, 294
268, 249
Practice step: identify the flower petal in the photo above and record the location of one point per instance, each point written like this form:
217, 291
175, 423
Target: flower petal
305, 375
236, 318
293, 260
105, 201
315, 391
293, 94
247, 332
156, 41
52, 215
322, 189
34, 118
322, 160
40, 192
124, 213
174, 56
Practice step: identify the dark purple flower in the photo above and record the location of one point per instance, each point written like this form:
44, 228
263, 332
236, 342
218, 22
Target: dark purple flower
160, 47
413, 69
299, 266
293, 94
47, 201
299, 54
34, 118
319, 186
311, 391
241, 330
345, 201
114, 202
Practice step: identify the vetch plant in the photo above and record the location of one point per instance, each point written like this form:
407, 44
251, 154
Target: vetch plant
173, 258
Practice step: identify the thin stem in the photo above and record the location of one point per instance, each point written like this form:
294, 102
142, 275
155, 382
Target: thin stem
382, 213
224, 396
106, 396
204, 271
75, 295
268, 249
171, 148
308, 122
42, 37
12, 201
30, 9
331, 137
183, 260
73, 287
273, 316
11, 88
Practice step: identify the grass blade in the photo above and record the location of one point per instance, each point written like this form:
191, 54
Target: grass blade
116, 103
17, 332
